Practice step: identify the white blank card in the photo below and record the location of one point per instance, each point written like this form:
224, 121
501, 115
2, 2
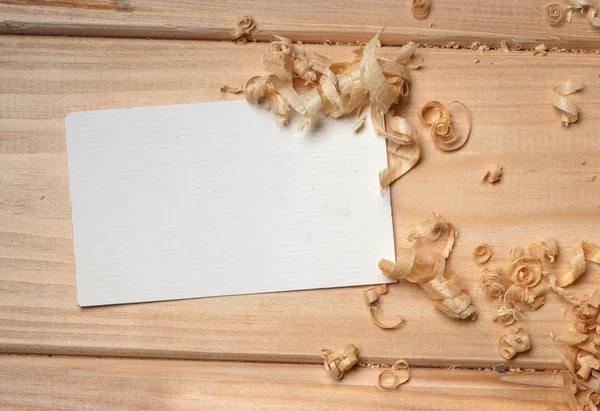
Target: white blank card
214, 199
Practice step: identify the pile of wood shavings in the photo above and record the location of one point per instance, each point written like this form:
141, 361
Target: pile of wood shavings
428, 269
526, 280
342, 88
556, 14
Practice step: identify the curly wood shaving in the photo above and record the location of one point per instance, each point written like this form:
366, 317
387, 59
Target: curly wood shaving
406, 52
432, 230
225, 88
526, 273
372, 295
420, 8
516, 294
493, 283
445, 131
388, 380
493, 174
594, 299
555, 14
569, 391
428, 272
566, 106
585, 313
245, 25
536, 297
587, 363
516, 341
482, 253
561, 291
338, 362
507, 315
516, 254
578, 265
381, 92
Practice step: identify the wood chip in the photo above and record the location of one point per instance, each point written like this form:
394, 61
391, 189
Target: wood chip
389, 380
420, 8
232, 89
504, 46
565, 105
482, 253
555, 14
514, 342
494, 174
338, 362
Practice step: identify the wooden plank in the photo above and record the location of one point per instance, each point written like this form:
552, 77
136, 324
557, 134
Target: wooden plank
545, 191
76, 383
464, 21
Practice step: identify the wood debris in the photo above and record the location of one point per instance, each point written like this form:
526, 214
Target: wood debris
514, 342
372, 295
445, 131
232, 89
494, 174
555, 14
243, 28
420, 8
504, 46
428, 270
338, 362
540, 50
389, 380
482, 253
565, 105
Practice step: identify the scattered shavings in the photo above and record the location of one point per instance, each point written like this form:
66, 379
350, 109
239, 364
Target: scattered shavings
338, 362
555, 14
231, 89
245, 25
516, 341
372, 295
507, 315
427, 270
546, 251
420, 8
561, 102
504, 46
494, 174
482, 253
432, 230
388, 380
445, 132
341, 88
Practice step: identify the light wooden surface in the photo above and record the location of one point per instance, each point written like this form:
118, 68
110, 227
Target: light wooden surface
464, 21
544, 191
86, 383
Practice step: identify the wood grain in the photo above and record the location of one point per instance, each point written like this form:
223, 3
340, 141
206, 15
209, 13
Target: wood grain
77, 383
545, 191
464, 21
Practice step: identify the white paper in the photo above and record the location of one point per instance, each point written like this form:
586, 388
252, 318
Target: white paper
213, 199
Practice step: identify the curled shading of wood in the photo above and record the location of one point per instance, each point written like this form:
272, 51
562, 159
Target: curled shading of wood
338, 362
514, 342
555, 14
420, 8
245, 25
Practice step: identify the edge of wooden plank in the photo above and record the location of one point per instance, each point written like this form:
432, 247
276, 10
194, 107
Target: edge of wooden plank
31, 381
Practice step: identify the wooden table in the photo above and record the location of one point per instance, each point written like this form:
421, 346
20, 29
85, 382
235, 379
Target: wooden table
262, 351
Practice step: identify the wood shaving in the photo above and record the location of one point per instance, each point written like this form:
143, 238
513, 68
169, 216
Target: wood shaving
593, 178
578, 266
545, 251
338, 362
516, 341
566, 106
428, 271
245, 25
507, 315
445, 132
432, 230
388, 380
540, 50
358, 125
518, 47
475, 60
494, 174
372, 295
420, 8
516, 254
555, 14
526, 273
504, 46
482, 253
493, 283
232, 89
